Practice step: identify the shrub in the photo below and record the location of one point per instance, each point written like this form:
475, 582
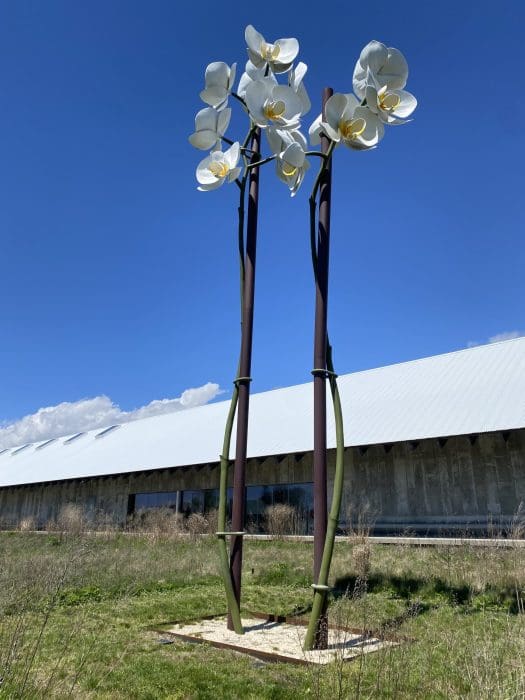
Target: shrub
281, 519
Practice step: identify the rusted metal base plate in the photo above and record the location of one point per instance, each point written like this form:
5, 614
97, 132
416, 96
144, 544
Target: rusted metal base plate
271, 640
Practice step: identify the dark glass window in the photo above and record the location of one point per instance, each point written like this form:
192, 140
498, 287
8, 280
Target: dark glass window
192, 502
258, 499
158, 499
211, 499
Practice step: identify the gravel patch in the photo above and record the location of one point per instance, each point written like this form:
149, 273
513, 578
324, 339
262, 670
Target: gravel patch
279, 641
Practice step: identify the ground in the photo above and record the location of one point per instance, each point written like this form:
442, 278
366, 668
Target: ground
80, 617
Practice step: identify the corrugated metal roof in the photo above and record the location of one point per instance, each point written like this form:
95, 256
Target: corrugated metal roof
477, 390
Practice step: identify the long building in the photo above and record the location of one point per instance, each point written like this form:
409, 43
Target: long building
432, 445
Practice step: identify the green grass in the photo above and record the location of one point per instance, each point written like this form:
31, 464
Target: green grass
78, 614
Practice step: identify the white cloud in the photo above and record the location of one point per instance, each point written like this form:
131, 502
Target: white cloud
99, 412
506, 335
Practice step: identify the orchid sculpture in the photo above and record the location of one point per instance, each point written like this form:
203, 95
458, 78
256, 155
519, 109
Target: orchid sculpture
272, 93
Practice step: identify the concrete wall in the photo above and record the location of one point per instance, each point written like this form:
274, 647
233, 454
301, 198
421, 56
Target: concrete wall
474, 483
427, 485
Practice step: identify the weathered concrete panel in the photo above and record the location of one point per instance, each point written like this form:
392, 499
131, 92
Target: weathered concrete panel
459, 482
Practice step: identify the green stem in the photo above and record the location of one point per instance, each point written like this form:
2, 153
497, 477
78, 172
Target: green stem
261, 162
320, 594
221, 519
319, 154
244, 148
321, 588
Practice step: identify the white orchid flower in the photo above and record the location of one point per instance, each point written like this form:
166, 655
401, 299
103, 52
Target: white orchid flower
391, 106
274, 105
251, 73
295, 81
210, 127
349, 123
279, 56
291, 162
218, 168
387, 64
280, 139
291, 167
219, 79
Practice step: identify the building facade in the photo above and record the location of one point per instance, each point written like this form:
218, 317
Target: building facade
433, 446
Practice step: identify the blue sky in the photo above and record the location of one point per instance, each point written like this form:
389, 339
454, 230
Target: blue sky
120, 279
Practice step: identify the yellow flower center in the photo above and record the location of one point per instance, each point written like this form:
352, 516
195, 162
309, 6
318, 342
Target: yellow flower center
289, 170
269, 51
218, 169
352, 128
388, 101
274, 110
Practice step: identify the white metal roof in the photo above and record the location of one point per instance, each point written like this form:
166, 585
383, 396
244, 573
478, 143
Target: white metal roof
477, 390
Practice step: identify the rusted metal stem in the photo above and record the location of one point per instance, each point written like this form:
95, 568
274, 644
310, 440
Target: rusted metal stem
243, 381
320, 349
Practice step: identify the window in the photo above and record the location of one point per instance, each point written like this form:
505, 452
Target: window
45, 444
106, 431
258, 499
19, 449
156, 499
72, 438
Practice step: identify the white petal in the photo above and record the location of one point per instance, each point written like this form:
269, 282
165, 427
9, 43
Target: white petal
352, 103
254, 72
217, 156
290, 124
274, 140
215, 96
217, 74
294, 155
374, 56
395, 72
333, 134
204, 139
223, 120
334, 109
297, 75
300, 178
256, 59
407, 105
257, 93
371, 98
206, 119
300, 138
233, 73
314, 132
206, 187
243, 84
253, 39
279, 170
288, 50
234, 174
374, 129
359, 80
279, 67
291, 100
203, 174
306, 105
231, 156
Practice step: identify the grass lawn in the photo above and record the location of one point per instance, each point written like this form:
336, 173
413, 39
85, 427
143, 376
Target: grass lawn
77, 615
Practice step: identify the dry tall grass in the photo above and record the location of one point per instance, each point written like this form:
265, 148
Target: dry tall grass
283, 519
